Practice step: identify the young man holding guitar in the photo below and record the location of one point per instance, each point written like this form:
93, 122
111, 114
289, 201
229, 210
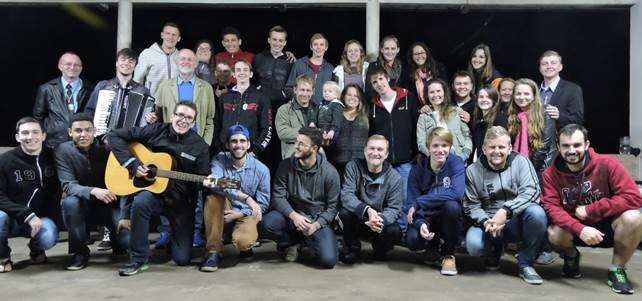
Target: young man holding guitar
191, 155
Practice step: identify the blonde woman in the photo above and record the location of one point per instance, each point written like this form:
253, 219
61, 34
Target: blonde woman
353, 66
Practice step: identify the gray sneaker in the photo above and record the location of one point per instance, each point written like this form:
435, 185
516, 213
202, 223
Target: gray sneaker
545, 258
292, 253
529, 275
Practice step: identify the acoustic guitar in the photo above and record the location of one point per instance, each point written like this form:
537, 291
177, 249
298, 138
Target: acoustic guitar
119, 182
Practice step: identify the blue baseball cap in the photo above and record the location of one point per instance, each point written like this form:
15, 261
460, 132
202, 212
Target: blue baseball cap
238, 129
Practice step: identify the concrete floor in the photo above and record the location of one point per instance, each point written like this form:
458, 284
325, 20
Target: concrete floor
267, 277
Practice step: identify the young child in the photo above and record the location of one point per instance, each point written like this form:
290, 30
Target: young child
330, 112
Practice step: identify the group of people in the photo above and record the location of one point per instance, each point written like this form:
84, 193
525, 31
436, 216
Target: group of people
379, 151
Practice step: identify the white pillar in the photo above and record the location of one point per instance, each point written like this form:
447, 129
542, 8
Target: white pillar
372, 29
125, 16
635, 79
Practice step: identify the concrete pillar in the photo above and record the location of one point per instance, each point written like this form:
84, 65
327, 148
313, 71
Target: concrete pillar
635, 80
125, 17
372, 30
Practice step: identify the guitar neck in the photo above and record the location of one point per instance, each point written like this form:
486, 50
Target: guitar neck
177, 175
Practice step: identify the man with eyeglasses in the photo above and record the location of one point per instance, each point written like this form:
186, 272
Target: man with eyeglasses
305, 198
191, 155
61, 97
81, 170
187, 87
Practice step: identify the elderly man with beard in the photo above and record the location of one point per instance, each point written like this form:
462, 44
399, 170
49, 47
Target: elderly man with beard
592, 201
191, 155
305, 197
371, 197
238, 210
188, 87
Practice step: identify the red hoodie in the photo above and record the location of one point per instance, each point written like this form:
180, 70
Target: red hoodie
603, 185
232, 58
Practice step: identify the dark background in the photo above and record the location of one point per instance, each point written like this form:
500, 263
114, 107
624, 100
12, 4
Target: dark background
593, 42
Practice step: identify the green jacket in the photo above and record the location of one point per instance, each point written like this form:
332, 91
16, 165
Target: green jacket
289, 119
167, 97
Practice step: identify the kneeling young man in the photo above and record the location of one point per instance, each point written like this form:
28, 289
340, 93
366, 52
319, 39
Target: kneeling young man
81, 169
241, 208
502, 198
305, 197
435, 189
372, 196
29, 192
592, 201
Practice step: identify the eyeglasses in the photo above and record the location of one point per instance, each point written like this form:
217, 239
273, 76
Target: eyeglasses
204, 49
185, 117
72, 65
299, 143
419, 53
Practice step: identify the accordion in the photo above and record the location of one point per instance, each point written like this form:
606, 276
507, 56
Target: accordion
121, 108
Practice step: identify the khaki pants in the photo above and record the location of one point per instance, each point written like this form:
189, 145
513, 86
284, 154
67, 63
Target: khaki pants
244, 232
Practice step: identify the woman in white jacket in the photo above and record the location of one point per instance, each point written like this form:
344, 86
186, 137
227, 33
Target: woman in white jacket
353, 66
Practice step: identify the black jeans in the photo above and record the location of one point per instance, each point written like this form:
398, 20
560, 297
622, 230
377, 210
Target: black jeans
446, 223
354, 229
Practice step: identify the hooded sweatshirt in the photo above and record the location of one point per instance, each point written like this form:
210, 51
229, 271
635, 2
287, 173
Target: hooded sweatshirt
314, 193
604, 186
429, 190
513, 188
155, 66
383, 193
398, 126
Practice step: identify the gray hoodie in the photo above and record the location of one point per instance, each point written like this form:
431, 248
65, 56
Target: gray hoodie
154, 66
313, 193
514, 188
384, 193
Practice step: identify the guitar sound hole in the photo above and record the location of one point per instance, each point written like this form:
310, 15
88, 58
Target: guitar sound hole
148, 180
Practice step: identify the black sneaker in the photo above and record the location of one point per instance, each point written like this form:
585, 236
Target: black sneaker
349, 256
571, 267
132, 268
210, 263
529, 275
491, 263
37, 257
77, 262
104, 245
618, 281
246, 255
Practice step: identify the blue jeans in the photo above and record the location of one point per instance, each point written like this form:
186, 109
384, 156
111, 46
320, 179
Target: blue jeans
446, 223
77, 212
181, 221
528, 227
45, 239
404, 171
275, 226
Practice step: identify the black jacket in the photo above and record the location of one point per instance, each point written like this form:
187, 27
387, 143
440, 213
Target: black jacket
51, 109
569, 101
251, 109
271, 74
28, 185
399, 126
189, 151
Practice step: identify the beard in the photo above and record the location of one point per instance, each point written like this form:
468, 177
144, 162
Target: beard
185, 70
234, 152
305, 155
580, 158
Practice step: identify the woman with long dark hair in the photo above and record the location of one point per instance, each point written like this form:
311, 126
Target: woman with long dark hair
354, 129
486, 115
480, 65
420, 68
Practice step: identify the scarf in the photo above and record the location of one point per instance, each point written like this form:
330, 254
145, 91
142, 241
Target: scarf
420, 77
521, 141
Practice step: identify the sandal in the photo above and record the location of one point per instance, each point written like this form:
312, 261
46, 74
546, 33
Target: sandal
6, 265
